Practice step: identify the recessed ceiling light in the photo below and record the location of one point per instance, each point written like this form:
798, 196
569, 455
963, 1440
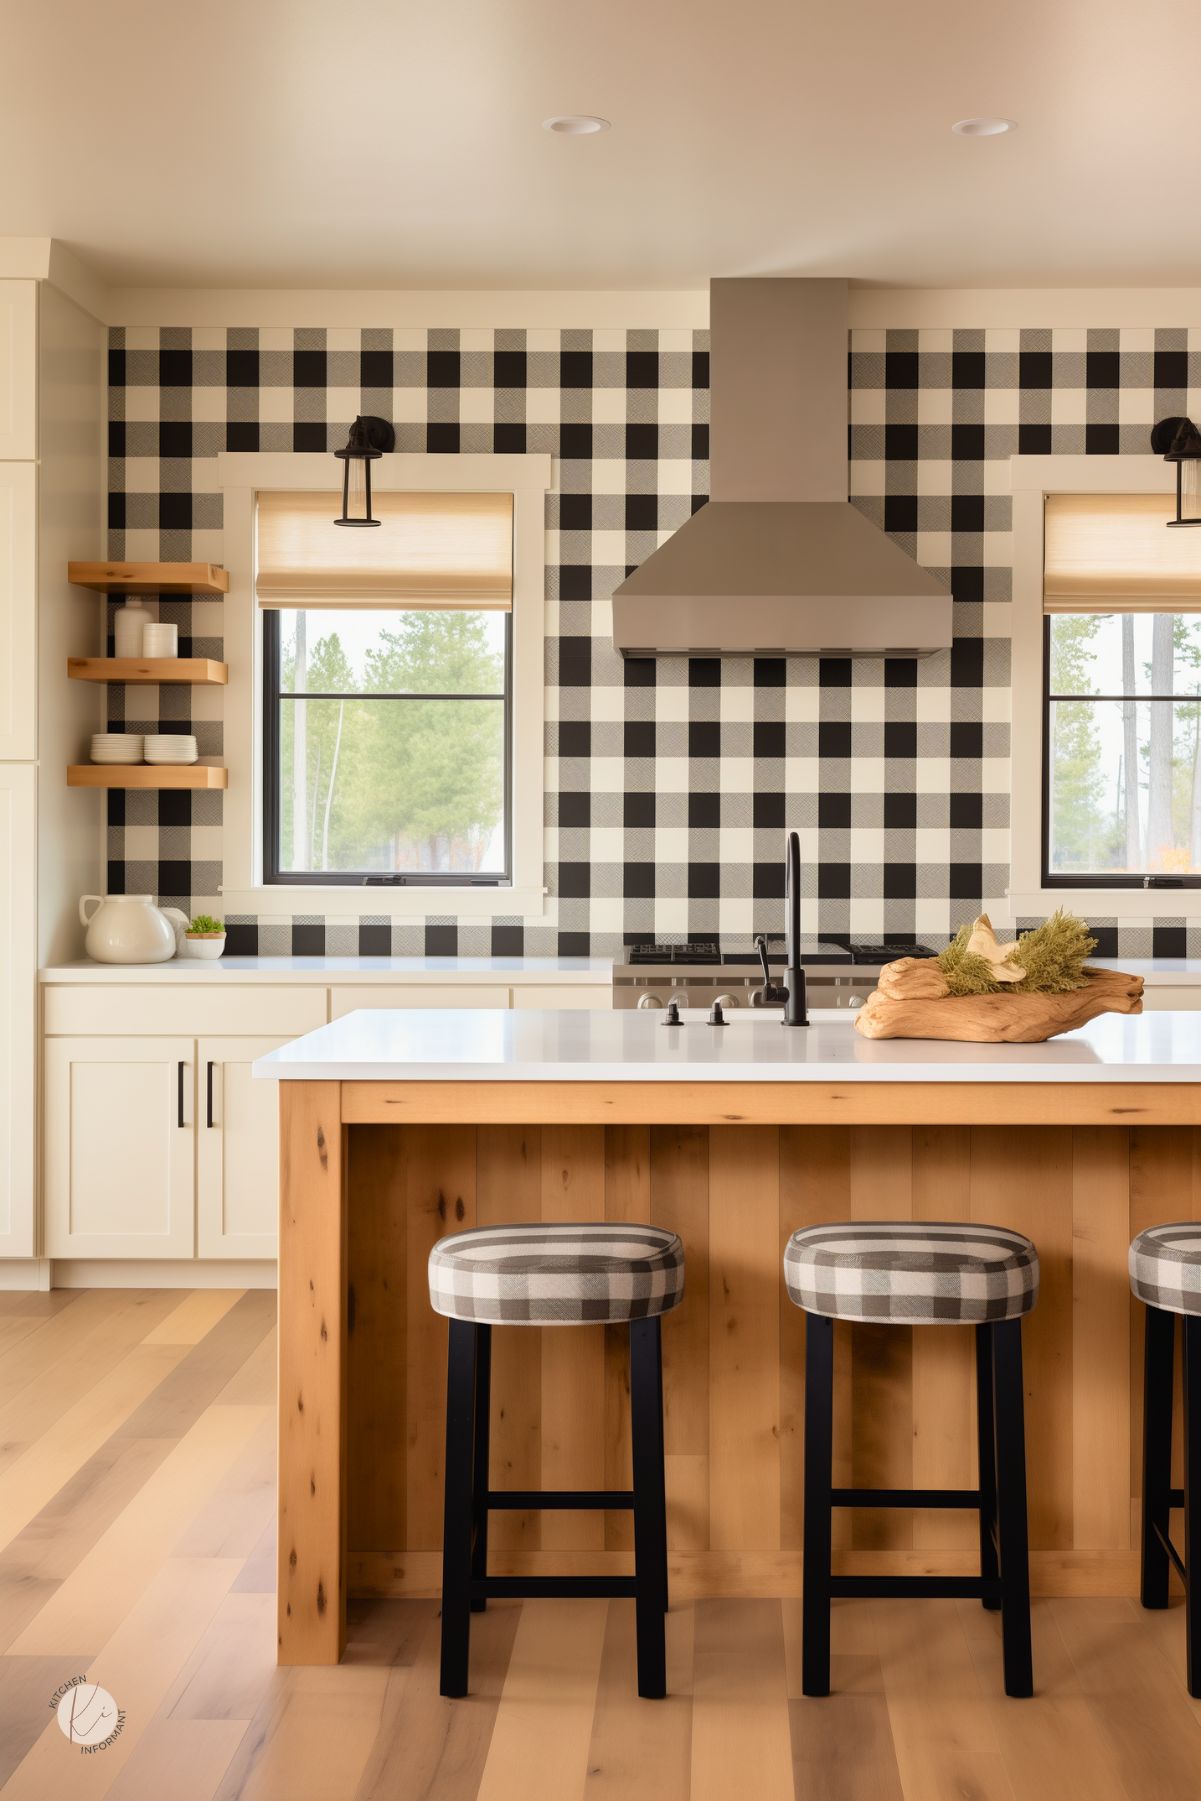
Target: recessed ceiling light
983, 128
575, 125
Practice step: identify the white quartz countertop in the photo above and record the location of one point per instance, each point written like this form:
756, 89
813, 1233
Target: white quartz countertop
578, 1046
371, 971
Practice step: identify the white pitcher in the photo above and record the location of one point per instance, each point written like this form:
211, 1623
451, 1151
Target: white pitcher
129, 928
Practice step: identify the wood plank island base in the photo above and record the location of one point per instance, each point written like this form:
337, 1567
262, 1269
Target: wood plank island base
400, 1127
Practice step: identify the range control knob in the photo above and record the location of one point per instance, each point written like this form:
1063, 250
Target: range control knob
727, 1000
649, 1002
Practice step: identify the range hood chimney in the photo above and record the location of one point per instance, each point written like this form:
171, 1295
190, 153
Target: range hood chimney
779, 562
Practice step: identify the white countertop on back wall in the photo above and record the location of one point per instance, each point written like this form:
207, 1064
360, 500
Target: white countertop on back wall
1168, 971
370, 971
448, 1045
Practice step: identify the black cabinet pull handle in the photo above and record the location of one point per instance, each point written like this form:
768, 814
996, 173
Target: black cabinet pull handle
209, 1105
182, 1067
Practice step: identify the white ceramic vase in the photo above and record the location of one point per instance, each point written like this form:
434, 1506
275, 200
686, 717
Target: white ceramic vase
129, 928
128, 624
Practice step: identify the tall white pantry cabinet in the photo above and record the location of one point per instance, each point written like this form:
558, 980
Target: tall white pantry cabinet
51, 481
18, 772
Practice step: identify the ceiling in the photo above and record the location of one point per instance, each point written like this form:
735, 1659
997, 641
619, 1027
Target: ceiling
397, 144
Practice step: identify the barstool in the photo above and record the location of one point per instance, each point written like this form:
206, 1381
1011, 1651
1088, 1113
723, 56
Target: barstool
1165, 1273
919, 1273
552, 1275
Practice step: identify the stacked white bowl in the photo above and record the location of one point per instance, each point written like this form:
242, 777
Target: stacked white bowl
117, 747
170, 747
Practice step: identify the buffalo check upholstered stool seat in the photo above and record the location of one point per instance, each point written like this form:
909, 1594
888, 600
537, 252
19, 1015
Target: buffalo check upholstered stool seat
919, 1273
1165, 1274
912, 1271
608, 1273
552, 1275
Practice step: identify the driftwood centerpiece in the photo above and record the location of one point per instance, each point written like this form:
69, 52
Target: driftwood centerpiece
913, 1000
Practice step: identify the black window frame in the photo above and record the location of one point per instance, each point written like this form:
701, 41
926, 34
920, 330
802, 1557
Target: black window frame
1087, 878
273, 697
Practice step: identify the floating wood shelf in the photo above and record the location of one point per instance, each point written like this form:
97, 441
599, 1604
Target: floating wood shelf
147, 775
196, 671
150, 578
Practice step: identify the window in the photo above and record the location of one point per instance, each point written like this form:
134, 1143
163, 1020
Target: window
387, 669
386, 749
491, 510
1121, 694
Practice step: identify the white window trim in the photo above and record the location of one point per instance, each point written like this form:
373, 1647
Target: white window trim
1032, 479
241, 477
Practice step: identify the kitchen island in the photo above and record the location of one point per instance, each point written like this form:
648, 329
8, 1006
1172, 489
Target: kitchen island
398, 1127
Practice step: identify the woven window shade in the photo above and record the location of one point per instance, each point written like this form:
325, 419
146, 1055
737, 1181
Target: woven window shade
1113, 553
430, 550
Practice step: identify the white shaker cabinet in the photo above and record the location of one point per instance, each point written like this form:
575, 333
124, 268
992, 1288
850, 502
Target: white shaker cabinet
18, 1009
130, 1173
237, 1150
18, 370
18, 611
120, 1139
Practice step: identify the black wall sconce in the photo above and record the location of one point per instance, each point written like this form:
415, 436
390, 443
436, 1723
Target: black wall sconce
1178, 441
369, 438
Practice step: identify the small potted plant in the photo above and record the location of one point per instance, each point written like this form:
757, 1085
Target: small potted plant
205, 937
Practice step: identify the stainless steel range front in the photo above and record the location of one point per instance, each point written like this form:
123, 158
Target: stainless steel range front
698, 972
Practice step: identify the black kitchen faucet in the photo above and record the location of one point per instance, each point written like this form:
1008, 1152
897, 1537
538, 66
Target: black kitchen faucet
795, 1012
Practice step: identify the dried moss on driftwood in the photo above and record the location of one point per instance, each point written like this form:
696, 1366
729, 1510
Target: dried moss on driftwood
1052, 957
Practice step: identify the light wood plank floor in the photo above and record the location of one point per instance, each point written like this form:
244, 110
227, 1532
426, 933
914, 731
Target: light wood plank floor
136, 1547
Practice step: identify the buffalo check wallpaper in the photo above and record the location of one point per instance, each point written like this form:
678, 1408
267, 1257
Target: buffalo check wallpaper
669, 784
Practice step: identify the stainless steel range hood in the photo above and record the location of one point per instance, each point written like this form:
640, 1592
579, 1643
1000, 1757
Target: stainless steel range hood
779, 562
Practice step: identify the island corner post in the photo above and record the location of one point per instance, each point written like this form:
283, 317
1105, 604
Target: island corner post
373, 1172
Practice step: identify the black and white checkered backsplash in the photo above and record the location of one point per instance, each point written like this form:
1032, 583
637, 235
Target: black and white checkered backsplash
669, 783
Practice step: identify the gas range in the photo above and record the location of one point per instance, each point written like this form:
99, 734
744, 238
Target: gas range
696, 972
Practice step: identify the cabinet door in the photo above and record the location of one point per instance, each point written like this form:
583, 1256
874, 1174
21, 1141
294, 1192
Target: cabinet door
18, 1010
120, 1145
18, 369
237, 1162
18, 655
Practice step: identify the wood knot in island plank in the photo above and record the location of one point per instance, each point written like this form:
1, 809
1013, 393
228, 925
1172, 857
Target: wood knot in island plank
322, 1148
292, 1558
320, 1597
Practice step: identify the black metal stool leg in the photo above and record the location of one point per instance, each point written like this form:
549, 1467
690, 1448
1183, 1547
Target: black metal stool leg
661, 1459
1158, 1379
650, 1519
987, 1458
1011, 1506
456, 1540
1192, 1500
819, 1470
479, 1479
